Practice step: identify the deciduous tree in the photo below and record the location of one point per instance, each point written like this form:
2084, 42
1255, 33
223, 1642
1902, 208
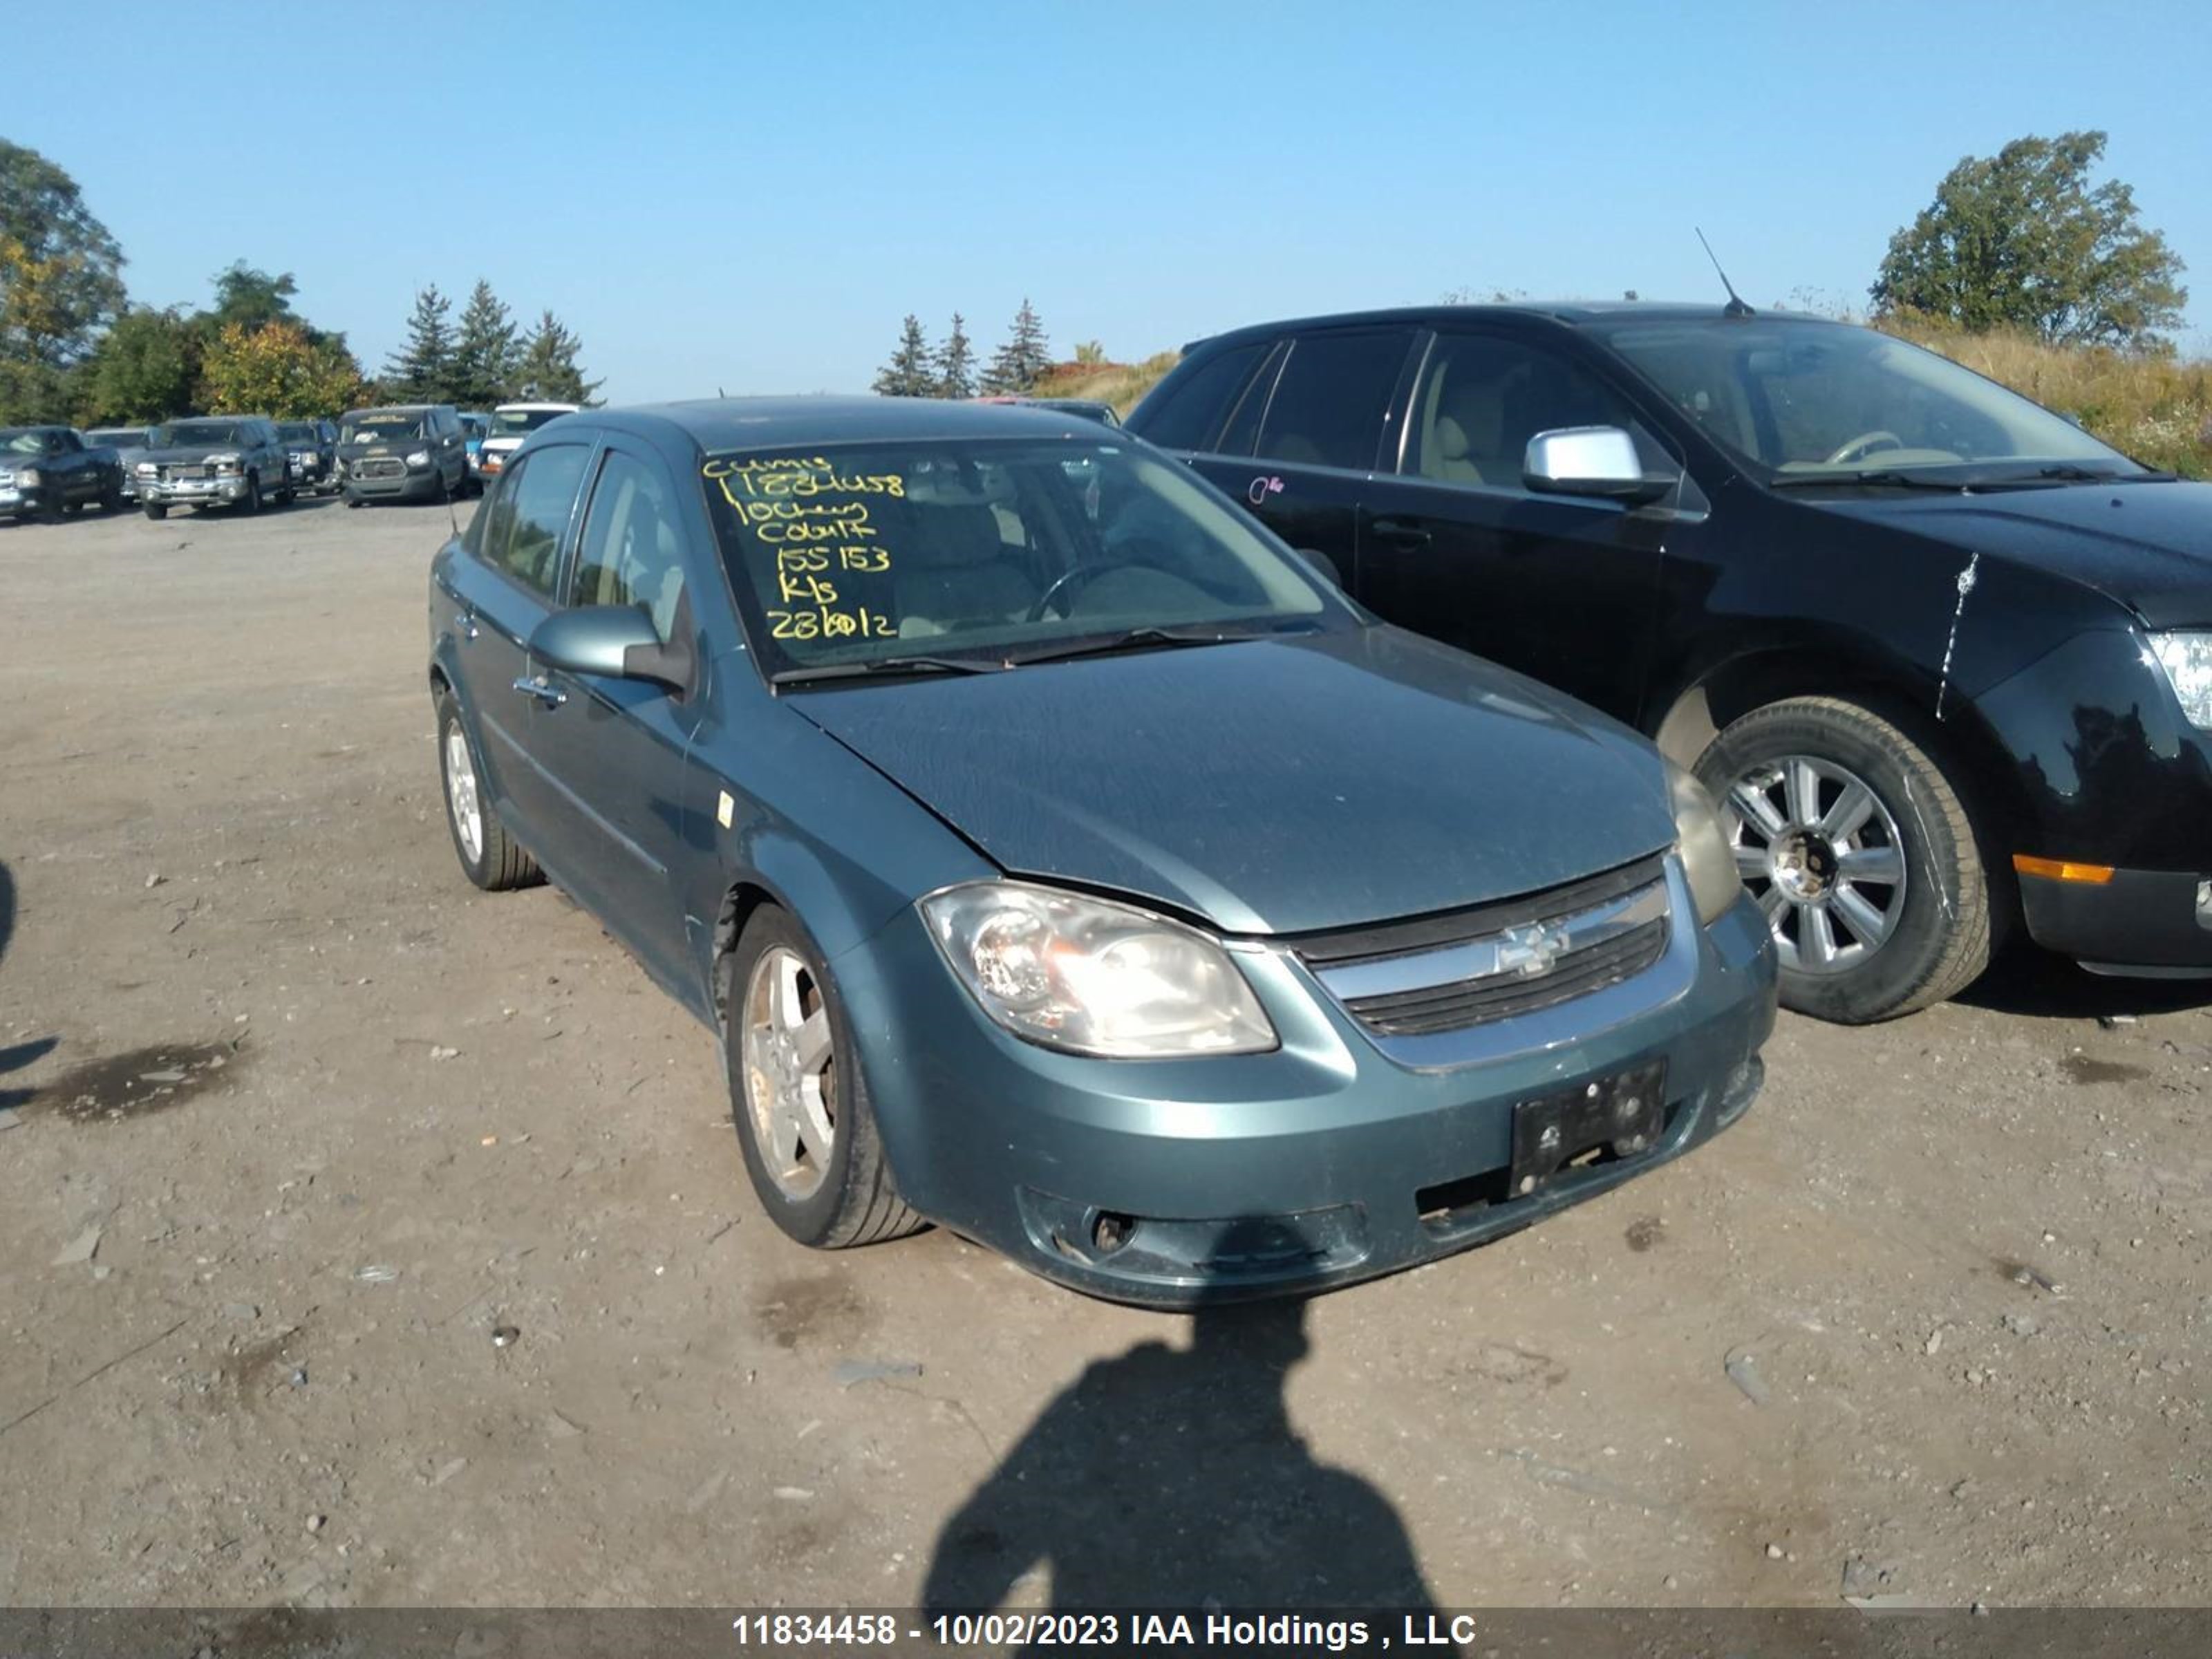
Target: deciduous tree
277, 369
60, 284
146, 368
2022, 239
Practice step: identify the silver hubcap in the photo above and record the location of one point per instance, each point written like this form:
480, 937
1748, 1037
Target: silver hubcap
791, 1080
1822, 857
461, 793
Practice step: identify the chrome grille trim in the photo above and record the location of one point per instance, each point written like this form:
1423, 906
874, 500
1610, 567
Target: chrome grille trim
1520, 953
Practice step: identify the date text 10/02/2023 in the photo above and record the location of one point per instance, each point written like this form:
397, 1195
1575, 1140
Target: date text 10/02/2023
1173, 1631
824, 539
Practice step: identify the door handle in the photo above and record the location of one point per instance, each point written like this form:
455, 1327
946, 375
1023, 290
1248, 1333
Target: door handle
548, 694
465, 625
1404, 532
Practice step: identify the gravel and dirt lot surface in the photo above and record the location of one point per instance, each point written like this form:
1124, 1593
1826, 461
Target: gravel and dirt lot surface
366, 1240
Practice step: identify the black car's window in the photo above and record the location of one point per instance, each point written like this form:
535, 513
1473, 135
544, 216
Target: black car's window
531, 513
1186, 411
1244, 428
372, 426
1333, 398
842, 556
629, 553
1482, 396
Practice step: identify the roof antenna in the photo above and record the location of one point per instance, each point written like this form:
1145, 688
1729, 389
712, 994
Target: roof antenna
1736, 307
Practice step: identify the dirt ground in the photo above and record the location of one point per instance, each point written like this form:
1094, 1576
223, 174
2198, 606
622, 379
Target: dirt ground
366, 1240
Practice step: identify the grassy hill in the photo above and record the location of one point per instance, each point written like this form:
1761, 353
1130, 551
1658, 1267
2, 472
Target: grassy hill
2158, 409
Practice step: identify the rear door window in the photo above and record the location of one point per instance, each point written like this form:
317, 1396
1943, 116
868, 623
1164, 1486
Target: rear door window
528, 520
1332, 404
1188, 413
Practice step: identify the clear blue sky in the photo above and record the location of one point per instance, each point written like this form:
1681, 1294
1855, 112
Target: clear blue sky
752, 197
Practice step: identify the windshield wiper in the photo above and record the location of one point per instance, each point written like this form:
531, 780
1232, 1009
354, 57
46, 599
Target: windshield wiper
846, 671
2067, 472
1151, 636
1887, 476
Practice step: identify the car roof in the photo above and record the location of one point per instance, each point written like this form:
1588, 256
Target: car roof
720, 425
393, 408
1572, 312
564, 408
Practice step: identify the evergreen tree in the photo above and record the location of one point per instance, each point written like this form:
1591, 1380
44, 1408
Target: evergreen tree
547, 371
956, 362
484, 351
907, 374
422, 370
1024, 357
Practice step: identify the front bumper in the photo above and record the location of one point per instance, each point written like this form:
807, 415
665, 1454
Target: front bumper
2146, 922
1320, 1164
192, 492
21, 497
407, 486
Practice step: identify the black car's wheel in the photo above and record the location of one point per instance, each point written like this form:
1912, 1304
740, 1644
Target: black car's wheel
804, 1122
252, 502
111, 499
288, 494
53, 509
1860, 852
156, 510
490, 857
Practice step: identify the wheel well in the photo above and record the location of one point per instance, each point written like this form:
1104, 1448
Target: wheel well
438, 680
1969, 754
738, 907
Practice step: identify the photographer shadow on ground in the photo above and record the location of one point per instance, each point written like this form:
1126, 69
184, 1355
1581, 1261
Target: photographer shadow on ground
1171, 1478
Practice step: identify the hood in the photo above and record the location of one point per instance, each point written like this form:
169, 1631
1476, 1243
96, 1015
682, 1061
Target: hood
2148, 546
186, 454
1269, 786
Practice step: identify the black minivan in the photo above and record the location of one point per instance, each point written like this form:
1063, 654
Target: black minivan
1946, 657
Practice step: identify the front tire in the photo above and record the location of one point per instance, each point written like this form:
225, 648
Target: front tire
1860, 853
804, 1124
156, 510
490, 857
251, 504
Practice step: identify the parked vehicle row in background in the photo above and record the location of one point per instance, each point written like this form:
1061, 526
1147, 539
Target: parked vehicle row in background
1946, 657
214, 460
46, 472
130, 444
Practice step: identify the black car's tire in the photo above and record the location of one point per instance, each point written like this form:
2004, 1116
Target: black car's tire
1900, 905
287, 495
853, 1199
53, 510
252, 502
490, 857
156, 510
111, 499
355, 501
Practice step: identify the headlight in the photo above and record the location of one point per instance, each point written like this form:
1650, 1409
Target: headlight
2187, 660
1707, 859
223, 463
147, 469
421, 458
28, 475
1093, 977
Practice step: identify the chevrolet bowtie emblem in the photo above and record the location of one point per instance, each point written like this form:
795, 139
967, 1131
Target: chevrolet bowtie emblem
1530, 950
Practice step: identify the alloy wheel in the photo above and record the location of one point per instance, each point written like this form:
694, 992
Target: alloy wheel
790, 1072
461, 793
1821, 855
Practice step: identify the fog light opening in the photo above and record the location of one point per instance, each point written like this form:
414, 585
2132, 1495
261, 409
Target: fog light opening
1112, 1231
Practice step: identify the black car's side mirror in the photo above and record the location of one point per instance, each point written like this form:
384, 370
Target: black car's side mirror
615, 641
1592, 460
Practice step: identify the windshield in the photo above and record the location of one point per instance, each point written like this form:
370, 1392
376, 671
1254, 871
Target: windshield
118, 436
1803, 397
22, 440
512, 422
300, 432
380, 424
992, 550
195, 435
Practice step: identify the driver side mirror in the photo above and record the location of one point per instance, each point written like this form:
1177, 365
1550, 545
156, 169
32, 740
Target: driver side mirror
615, 641
1597, 461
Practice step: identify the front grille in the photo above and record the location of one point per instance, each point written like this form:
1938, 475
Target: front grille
1455, 1007
171, 472
378, 466
1492, 962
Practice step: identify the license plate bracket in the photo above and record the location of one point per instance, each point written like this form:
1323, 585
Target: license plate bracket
1622, 1113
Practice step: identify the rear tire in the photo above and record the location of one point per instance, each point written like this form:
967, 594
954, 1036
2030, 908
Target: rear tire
828, 1198
490, 857
1881, 906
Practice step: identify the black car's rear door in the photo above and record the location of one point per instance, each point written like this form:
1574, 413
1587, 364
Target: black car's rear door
1455, 545
1302, 446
